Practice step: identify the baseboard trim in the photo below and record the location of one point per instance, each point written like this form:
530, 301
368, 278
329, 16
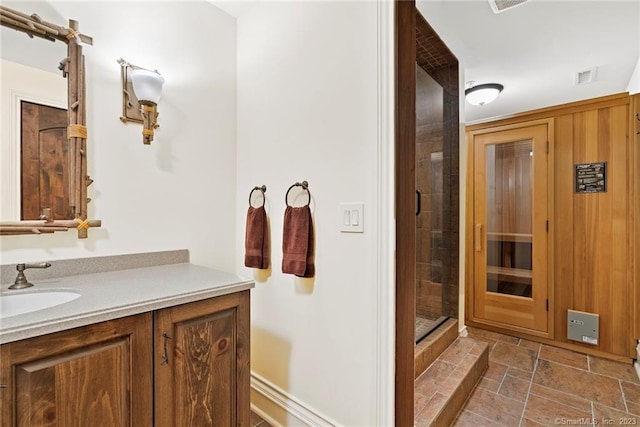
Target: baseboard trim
264, 415
463, 331
294, 407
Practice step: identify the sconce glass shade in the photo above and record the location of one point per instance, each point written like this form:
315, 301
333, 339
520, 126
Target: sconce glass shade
483, 94
147, 85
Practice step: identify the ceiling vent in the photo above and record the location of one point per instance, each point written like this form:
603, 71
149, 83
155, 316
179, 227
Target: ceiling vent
501, 5
585, 76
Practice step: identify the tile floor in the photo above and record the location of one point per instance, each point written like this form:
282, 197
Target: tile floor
256, 421
528, 384
423, 325
443, 388
531, 385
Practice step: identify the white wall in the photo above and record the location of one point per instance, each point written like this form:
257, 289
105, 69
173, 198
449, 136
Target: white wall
634, 81
307, 110
180, 191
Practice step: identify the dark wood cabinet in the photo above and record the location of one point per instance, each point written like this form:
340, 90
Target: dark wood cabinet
186, 365
202, 363
90, 376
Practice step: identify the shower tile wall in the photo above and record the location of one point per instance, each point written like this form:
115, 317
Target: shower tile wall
429, 156
437, 180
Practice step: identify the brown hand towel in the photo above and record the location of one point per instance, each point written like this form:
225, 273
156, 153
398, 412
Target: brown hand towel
297, 242
256, 241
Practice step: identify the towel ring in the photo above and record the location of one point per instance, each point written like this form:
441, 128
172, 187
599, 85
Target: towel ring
262, 189
305, 186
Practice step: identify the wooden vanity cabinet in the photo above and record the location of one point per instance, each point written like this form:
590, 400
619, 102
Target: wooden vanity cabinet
186, 365
96, 375
202, 371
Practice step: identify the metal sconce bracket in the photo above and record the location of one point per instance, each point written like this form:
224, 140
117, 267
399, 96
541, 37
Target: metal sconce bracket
130, 105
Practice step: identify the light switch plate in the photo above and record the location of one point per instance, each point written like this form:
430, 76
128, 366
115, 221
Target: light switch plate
351, 217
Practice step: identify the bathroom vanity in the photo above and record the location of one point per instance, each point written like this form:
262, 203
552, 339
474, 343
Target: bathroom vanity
164, 345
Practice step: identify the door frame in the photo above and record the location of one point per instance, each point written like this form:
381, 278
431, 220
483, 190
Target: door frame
405, 257
469, 255
408, 22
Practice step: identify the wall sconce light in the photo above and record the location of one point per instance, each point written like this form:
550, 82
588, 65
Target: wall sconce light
482, 94
141, 90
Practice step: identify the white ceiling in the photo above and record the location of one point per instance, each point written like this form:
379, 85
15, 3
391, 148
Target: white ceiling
533, 49
536, 48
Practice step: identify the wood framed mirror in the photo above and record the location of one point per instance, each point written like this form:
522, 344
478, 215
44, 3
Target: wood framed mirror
70, 140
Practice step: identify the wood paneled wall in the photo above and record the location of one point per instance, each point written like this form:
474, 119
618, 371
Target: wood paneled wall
595, 236
634, 130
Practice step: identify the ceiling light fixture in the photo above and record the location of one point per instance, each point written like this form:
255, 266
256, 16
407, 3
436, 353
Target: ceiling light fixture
483, 94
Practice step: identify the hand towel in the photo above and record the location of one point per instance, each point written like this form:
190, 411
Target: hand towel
256, 241
297, 242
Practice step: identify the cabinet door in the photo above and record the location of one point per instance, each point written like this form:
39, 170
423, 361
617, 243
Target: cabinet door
96, 375
511, 284
202, 363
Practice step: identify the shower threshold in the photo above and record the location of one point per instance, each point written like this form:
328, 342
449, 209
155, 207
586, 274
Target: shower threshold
425, 326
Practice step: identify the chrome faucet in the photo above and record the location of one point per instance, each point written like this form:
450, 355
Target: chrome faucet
21, 280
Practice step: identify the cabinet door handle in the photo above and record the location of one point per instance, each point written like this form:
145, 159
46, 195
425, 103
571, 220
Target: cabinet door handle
478, 241
165, 354
418, 202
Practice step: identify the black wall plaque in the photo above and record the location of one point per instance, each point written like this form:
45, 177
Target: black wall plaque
591, 177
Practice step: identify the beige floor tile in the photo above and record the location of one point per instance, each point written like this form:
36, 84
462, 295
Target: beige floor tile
549, 412
514, 388
528, 384
634, 408
489, 384
631, 392
496, 371
428, 383
499, 409
561, 397
519, 373
493, 336
514, 356
477, 349
606, 416
256, 421
613, 369
529, 344
469, 419
457, 350
419, 402
587, 385
430, 411
566, 357
526, 422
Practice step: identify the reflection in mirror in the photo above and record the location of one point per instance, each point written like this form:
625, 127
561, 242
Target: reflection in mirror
43, 144
25, 84
29, 73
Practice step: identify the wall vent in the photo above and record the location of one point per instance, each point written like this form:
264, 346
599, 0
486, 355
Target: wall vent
585, 76
501, 5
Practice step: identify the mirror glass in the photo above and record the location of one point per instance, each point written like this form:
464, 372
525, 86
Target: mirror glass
29, 73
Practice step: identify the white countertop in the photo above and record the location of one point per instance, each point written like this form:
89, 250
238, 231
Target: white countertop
115, 294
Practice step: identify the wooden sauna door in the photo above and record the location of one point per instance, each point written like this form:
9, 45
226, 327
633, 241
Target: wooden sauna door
510, 228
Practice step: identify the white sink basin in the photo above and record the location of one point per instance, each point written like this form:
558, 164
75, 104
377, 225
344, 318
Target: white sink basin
14, 304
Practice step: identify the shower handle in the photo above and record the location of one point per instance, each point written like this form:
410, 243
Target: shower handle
418, 202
